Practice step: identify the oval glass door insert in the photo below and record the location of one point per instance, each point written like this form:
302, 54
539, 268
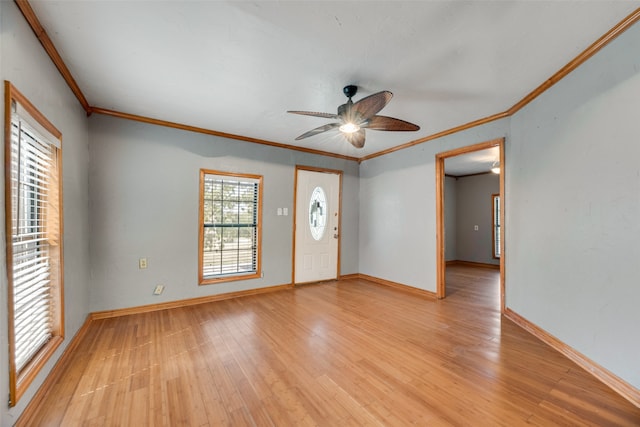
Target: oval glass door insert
317, 213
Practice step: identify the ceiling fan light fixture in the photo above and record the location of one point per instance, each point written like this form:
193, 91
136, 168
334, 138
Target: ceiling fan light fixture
349, 128
495, 168
354, 117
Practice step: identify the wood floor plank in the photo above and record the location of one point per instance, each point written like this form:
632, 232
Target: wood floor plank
349, 353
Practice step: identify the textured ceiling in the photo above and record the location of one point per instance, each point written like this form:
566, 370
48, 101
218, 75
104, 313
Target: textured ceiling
237, 67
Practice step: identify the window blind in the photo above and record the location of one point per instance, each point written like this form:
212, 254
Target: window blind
34, 226
496, 226
230, 225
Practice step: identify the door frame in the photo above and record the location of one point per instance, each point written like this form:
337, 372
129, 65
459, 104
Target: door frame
440, 257
295, 207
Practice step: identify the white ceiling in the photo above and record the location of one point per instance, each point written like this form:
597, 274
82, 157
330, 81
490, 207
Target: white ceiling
472, 163
238, 66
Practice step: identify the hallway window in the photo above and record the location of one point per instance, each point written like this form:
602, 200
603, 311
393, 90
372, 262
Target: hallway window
495, 198
230, 214
34, 241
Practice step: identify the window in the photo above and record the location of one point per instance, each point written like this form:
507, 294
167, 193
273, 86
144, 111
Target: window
230, 233
34, 242
317, 213
497, 236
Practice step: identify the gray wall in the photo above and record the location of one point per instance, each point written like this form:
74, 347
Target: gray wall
144, 182
450, 218
397, 201
27, 66
573, 209
572, 204
474, 207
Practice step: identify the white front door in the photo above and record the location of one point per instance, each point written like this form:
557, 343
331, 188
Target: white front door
317, 221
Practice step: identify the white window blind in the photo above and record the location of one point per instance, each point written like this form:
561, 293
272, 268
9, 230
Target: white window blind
34, 227
230, 225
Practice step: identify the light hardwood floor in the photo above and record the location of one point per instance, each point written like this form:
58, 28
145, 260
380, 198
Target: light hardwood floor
347, 353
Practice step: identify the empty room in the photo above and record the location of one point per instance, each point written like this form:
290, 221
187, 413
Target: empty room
265, 213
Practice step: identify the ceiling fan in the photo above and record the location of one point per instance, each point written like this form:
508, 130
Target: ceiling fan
355, 117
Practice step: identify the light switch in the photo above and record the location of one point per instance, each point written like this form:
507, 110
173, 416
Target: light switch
285, 211
475, 228
279, 211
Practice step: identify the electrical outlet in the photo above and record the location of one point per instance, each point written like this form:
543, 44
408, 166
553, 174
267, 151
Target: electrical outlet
475, 228
158, 290
142, 263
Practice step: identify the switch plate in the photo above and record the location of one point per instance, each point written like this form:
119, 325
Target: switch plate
142, 263
279, 211
285, 211
475, 228
158, 290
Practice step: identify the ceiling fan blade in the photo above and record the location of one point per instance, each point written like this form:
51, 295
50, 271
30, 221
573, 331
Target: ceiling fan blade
389, 123
315, 114
370, 105
356, 138
318, 130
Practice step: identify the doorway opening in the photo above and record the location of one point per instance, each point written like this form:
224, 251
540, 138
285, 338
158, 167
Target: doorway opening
464, 153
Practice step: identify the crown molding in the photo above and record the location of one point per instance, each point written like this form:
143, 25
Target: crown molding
51, 50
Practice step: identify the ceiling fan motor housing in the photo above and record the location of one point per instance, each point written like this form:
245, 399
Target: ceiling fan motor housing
347, 114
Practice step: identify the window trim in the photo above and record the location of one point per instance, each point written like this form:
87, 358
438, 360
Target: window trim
20, 381
233, 276
496, 249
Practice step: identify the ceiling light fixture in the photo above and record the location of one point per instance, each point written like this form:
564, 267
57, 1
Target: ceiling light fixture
354, 117
495, 168
349, 128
